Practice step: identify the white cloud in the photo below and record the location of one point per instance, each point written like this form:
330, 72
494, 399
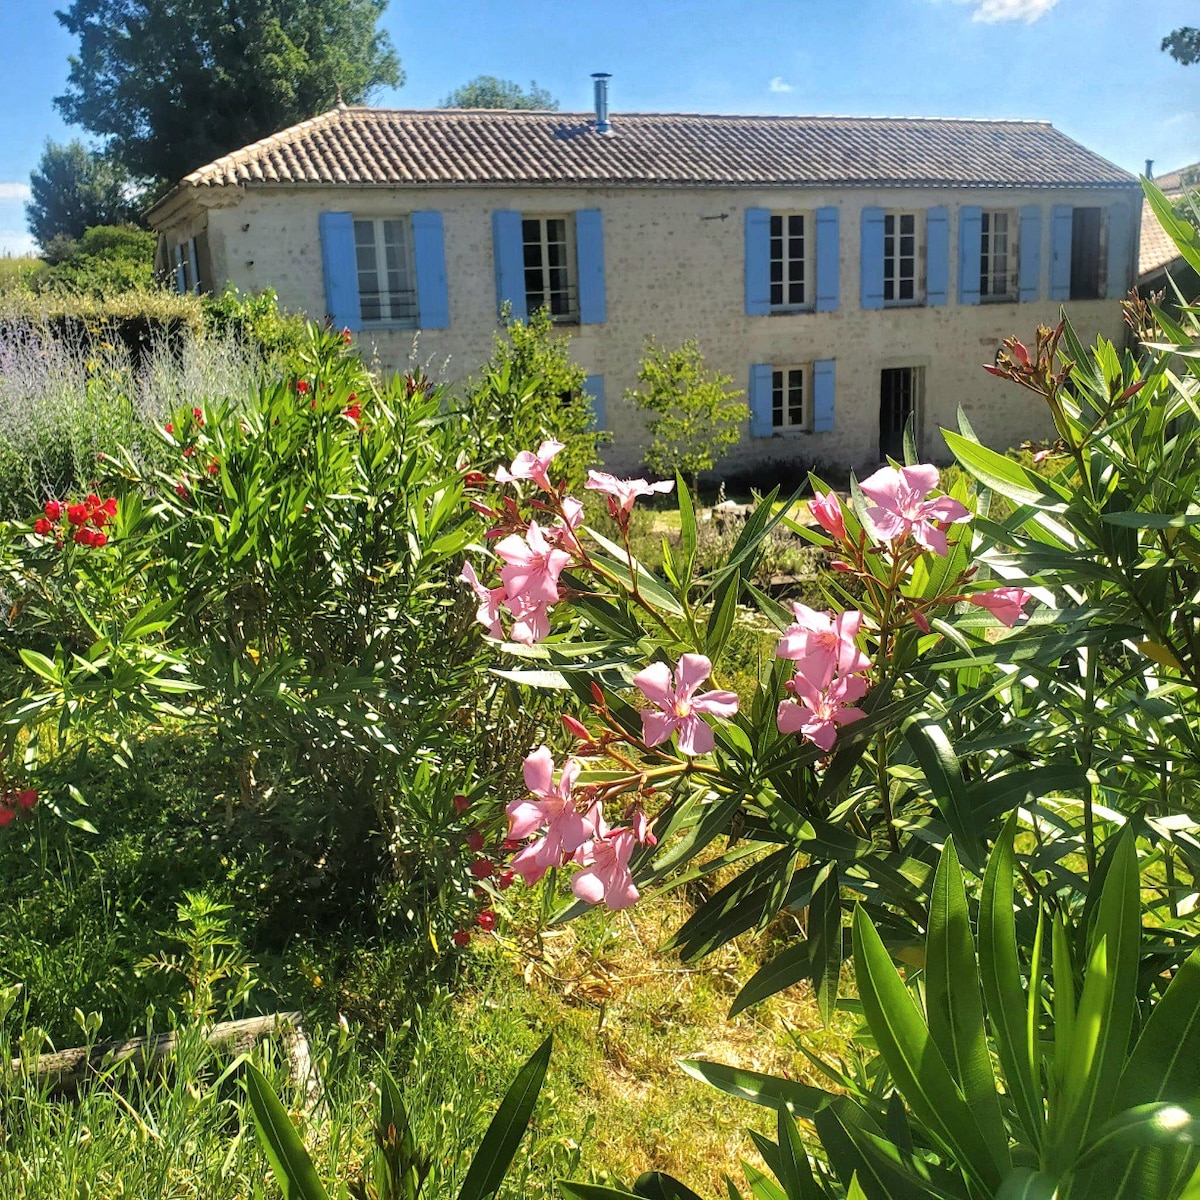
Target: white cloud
14, 191
779, 84
992, 12
16, 242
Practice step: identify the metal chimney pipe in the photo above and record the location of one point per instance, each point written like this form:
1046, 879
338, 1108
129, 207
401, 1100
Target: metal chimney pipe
601, 87
1149, 168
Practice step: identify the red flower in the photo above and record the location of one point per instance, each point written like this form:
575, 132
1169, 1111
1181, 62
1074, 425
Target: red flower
483, 868
93, 502
505, 880
86, 537
99, 517
475, 479
188, 451
461, 804
99, 539
475, 841
53, 510
42, 526
181, 489
77, 514
7, 816
347, 336
27, 799
110, 506
169, 427
214, 467
461, 936
198, 415
354, 412
302, 387
486, 920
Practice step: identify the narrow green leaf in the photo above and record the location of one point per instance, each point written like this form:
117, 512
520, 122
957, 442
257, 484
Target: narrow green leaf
825, 942
785, 970
503, 1136
290, 1163
658, 1185
942, 771
770, 1091
913, 1058
1024, 1183
687, 524
1137, 1128
995, 471
954, 1006
591, 1191
795, 1172
722, 615
1000, 970
762, 1187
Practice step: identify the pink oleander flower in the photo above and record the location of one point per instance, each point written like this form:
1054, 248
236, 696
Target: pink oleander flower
562, 533
606, 878
901, 508
827, 512
680, 707
817, 712
823, 644
551, 807
622, 493
531, 620
490, 599
533, 565
532, 466
1006, 604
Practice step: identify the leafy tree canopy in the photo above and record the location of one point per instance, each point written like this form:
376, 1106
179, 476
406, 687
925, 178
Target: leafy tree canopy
74, 188
486, 91
173, 84
1183, 45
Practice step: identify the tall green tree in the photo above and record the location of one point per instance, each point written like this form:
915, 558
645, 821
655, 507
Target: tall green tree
486, 91
1183, 45
73, 188
173, 84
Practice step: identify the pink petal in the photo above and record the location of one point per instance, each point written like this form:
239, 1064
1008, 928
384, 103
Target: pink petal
883, 487
695, 737
525, 818
692, 671
945, 508
716, 704
469, 577
848, 688
532, 625
538, 770
885, 524
790, 717
922, 478
663, 486
531, 863
657, 727
588, 886
821, 732
845, 716
515, 550
654, 682
931, 537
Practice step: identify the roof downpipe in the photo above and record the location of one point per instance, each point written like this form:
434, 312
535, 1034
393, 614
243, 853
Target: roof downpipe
601, 79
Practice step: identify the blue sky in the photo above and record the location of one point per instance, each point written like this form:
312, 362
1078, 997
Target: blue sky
1092, 67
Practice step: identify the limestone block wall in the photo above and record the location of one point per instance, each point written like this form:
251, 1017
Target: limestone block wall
674, 268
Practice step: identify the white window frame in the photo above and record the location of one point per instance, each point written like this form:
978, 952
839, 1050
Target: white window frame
783, 378
570, 293
896, 259
988, 275
397, 307
786, 260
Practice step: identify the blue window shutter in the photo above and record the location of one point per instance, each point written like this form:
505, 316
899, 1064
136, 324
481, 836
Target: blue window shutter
823, 389
758, 262
593, 387
760, 400
429, 250
510, 262
872, 258
827, 260
937, 256
1061, 220
340, 269
589, 251
1120, 241
1029, 253
970, 252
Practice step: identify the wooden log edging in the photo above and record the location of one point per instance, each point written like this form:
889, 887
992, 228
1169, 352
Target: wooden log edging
67, 1069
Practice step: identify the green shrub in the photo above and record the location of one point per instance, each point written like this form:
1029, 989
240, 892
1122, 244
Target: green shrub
254, 318
106, 261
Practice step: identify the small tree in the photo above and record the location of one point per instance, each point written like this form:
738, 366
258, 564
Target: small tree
73, 188
696, 416
486, 91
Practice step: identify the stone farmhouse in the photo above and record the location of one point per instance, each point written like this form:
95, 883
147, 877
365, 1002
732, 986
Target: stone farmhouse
845, 271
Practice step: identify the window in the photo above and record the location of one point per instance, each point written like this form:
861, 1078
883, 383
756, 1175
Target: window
184, 266
998, 256
387, 281
790, 273
789, 398
900, 282
549, 252
1086, 233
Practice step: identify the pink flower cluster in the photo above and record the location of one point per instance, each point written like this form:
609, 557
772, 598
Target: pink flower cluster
677, 706
829, 674
573, 830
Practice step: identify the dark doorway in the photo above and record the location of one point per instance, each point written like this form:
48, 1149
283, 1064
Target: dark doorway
899, 395
1085, 254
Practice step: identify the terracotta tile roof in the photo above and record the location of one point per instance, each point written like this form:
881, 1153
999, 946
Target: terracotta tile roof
1156, 250
365, 146
1176, 181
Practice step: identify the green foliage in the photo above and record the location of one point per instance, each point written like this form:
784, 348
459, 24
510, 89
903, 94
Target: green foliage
73, 189
145, 68
486, 91
530, 391
107, 260
254, 318
19, 273
1183, 45
400, 1167
695, 416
